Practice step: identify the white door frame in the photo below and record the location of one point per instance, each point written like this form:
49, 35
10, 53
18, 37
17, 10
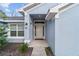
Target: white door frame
34, 30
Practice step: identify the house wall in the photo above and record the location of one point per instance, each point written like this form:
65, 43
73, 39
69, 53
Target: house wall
9, 38
50, 34
14, 20
31, 29
42, 9
15, 39
67, 33
9, 21
28, 28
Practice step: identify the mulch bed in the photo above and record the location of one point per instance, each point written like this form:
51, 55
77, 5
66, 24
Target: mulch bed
12, 50
49, 51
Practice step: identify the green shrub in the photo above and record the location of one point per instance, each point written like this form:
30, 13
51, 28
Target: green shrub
3, 36
23, 48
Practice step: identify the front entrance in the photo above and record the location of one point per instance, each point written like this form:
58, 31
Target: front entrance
39, 30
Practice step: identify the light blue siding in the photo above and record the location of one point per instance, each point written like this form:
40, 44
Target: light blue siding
43, 9
50, 34
31, 29
27, 27
67, 33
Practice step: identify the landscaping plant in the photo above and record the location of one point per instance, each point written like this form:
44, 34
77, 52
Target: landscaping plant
3, 15
23, 48
3, 36
3, 30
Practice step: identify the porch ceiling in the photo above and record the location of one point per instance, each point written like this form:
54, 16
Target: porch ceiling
38, 16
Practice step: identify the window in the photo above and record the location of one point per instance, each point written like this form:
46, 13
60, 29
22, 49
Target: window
20, 30
35, 30
17, 29
43, 30
13, 29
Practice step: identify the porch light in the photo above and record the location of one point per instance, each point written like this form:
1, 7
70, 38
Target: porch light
26, 23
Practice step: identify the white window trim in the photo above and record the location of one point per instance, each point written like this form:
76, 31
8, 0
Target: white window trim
9, 30
9, 34
17, 30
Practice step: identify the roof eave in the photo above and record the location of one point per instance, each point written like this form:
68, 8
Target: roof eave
20, 11
58, 9
51, 14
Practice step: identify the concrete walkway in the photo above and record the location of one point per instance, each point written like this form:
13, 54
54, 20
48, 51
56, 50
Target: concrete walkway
38, 51
38, 47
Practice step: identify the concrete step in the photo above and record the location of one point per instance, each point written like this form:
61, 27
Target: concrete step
38, 51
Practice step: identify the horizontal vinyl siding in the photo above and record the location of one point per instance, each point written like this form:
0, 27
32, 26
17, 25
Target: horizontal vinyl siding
67, 33
50, 34
15, 39
10, 21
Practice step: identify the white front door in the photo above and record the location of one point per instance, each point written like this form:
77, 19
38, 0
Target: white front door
39, 31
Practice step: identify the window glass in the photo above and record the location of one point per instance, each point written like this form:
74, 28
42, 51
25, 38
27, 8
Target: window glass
13, 33
20, 29
17, 29
20, 33
13, 29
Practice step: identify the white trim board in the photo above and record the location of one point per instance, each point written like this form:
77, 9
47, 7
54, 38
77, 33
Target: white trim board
69, 7
21, 10
14, 21
56, 10
33, 8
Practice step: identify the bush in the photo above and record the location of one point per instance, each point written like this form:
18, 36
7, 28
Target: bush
23, 48
49, 51
3, 36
